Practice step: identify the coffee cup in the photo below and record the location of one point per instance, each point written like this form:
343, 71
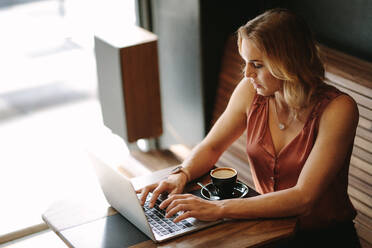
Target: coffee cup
224, 179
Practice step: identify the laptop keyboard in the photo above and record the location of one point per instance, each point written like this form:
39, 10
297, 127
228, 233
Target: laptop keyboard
159, 223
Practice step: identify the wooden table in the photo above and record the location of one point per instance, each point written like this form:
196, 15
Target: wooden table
88, 221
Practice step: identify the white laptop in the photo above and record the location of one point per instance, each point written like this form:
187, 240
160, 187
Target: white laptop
121, 195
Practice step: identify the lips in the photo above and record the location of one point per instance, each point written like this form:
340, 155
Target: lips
256, 86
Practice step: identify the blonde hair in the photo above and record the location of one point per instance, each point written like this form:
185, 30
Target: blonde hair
290, 53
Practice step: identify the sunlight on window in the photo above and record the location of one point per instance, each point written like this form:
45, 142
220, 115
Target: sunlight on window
49, 111
85, 17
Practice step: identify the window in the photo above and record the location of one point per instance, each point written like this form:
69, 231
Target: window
48, 103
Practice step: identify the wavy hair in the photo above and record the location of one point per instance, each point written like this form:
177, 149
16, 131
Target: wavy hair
290, 52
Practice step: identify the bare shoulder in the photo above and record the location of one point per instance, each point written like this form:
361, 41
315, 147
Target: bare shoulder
245, 87
341, 113
243, 94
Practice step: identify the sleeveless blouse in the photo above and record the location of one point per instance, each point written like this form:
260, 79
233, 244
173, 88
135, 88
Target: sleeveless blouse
273, 172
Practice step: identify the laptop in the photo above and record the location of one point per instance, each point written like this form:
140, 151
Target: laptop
120, 194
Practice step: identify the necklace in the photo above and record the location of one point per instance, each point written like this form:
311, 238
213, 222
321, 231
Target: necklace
281, 125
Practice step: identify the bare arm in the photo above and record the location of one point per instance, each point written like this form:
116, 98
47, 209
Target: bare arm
226, 130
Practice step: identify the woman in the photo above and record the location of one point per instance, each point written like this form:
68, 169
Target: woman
300, 134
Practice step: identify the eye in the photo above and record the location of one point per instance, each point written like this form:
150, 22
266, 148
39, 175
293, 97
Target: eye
257, 66
250, 64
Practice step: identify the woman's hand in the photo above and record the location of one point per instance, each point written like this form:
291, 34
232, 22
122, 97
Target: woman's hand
174, 184
192, 206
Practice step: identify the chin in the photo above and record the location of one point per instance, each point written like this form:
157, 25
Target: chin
262, 92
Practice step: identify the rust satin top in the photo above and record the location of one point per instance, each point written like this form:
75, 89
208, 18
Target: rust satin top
273, 172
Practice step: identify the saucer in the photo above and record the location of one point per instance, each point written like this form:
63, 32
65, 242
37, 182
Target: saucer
240, 191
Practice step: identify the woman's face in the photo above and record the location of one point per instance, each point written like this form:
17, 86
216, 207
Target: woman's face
256, 70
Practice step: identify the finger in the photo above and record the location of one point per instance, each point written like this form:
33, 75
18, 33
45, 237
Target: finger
185, 215
155, 194
170, 199
144, 193
176, 202
139, 191
174, 197
177, 208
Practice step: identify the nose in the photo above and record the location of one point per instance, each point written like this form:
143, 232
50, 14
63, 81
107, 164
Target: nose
249, 73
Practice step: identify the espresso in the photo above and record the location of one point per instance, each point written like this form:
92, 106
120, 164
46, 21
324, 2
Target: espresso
224, 173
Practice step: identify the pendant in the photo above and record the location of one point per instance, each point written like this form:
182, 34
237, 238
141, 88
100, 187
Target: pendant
281, 126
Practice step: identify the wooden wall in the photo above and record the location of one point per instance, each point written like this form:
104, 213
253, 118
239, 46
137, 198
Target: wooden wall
354, 77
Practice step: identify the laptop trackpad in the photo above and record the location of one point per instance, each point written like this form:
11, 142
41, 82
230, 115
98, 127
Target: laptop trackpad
112, 231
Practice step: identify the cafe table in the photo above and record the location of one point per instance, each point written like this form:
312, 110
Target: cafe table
89, 221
